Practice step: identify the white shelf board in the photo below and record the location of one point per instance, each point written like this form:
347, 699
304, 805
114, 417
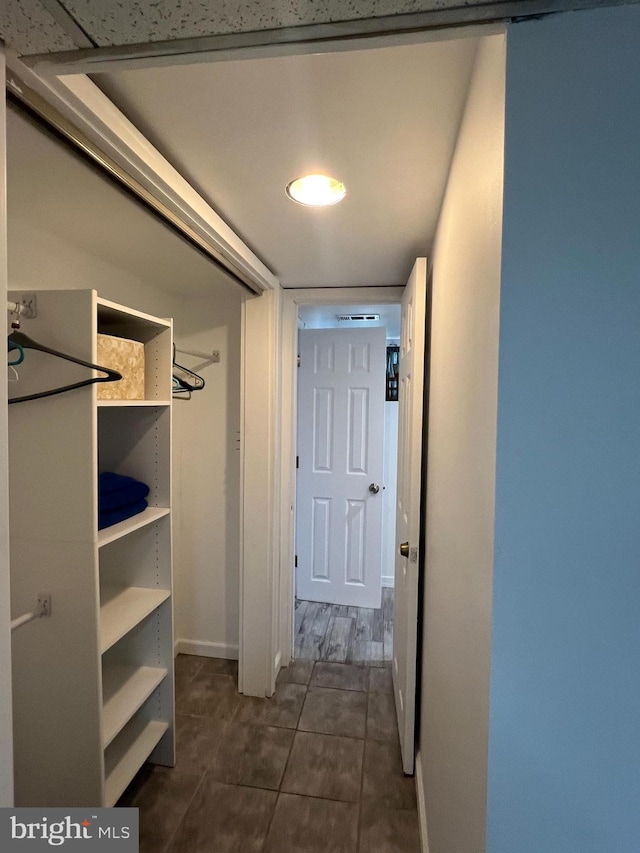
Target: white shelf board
126, 755
122, 609
123, 528
108, 309
125, 689
132, 404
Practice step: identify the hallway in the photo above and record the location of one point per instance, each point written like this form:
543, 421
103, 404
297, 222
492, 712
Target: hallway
314, 769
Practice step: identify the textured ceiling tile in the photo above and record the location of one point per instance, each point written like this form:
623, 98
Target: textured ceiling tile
28, 28
115, 22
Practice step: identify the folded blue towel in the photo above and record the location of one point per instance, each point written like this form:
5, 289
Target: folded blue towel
122, 497
106, 519
110, 482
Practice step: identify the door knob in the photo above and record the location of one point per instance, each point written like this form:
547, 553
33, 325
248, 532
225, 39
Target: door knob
404, 549
374, 488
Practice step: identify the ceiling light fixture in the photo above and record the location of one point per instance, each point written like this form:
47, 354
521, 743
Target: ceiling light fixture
316, 190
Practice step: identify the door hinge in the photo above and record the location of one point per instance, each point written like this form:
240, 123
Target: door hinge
295, 562
297, 461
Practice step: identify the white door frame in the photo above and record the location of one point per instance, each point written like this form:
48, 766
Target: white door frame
259, 648
288, 403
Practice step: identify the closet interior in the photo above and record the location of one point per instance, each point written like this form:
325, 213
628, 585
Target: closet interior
104, 664
93, 683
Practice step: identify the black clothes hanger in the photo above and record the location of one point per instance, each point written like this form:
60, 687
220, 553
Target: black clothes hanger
24, 341
187, 379
179, 392
14, 347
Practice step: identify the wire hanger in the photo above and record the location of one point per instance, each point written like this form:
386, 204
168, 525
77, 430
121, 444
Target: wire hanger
18, 339
187, 379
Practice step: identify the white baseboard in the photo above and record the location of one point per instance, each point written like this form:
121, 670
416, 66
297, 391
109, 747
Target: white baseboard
422, 811
206, 649
388, 580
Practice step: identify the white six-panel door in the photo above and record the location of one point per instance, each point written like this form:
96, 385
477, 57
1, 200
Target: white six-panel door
405, 618
341, 393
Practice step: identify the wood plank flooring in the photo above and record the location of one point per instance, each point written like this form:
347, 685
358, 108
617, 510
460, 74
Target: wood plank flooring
341, 634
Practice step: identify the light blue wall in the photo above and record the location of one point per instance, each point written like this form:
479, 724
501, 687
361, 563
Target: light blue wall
564, 751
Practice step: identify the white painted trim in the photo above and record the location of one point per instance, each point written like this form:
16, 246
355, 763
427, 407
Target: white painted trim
6, 718
288, 405
275, 351
422, 809
342, 295
204, 648
337, 36
89, 110
259, 494
388, 581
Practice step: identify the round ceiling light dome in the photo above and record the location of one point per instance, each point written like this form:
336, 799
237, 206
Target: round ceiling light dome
316, 190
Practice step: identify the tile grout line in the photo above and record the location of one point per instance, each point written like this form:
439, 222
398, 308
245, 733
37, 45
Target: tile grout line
226, 726
273, 813
286, 764
173, 835
171, 840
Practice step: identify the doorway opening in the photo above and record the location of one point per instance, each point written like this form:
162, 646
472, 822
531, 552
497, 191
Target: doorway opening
346, 462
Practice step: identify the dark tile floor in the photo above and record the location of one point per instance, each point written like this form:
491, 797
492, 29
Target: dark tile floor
335, 632
314, 769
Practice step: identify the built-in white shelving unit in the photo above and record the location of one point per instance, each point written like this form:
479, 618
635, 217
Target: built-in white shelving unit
131, 403
127, 753
93, 684
125, 689
125, 608
122, 528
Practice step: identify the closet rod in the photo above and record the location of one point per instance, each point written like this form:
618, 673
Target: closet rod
43, 608
22, 620
213, 357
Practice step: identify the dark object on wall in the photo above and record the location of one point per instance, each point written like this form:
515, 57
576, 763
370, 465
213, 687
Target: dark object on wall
393, 366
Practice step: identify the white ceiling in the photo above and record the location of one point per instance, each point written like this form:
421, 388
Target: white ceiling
382, 120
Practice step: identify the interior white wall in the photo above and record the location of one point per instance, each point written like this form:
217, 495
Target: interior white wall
461, 471
40, 260
205, 455
6, 729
